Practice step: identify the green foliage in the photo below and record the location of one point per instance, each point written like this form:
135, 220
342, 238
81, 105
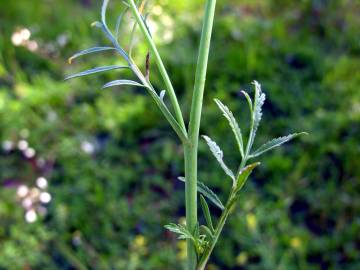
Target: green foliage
305, 54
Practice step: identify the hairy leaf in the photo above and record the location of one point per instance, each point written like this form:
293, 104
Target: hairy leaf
274, 143
206, 211
233, 124
257, 110
218, 154
181, 230
94, 70
122, 82
207, 192
91, 50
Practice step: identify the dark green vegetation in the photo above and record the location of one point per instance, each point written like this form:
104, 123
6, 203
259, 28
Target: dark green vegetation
112, 162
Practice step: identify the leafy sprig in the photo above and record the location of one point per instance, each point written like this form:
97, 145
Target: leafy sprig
244, 170
176, 122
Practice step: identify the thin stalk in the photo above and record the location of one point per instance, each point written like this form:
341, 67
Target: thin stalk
159, 63
219, 227
191, 149
174, 124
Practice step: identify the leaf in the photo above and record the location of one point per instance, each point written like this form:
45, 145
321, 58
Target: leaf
207, 192
257, 110
181, 230
122, 82
243, 175
248, 99
94, 70
88, 51
162, 95
109, 35
274, 143
207, 215
233, 124
218, 154
103, 12
207, 231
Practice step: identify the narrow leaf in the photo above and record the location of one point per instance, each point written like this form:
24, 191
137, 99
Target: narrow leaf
257, 110
103, 11
243, 176
206, 211
233, 124
88, 51
218, 154
122, 82
125, 3
207, 192
113, 40
94, 70
274, 143
248, 99
207, 231
162, 95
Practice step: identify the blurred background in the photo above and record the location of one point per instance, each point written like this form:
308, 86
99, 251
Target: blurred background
88, 176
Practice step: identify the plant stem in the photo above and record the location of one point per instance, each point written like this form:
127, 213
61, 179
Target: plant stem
191, 149
219, 227
159, 63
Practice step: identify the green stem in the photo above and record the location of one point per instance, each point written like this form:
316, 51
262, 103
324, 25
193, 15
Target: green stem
159, 63
191, 149
172, 121
219, 227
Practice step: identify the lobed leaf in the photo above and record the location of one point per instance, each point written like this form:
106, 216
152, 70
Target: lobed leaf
94, 70
274, 143
89, 51
207, 192
233, 124
181, 230
122, 82
218, 154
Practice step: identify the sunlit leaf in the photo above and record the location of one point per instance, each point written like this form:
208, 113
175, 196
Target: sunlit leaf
122, 82
274, 143
89, 51
218, 154
94, 70
233, 124
207, 192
